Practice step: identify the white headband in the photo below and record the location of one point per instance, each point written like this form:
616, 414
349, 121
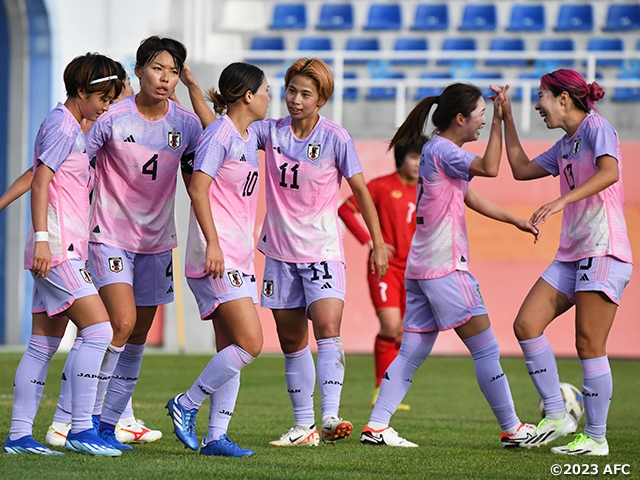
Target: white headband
103, 79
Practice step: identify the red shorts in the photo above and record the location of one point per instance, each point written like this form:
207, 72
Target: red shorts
389, 291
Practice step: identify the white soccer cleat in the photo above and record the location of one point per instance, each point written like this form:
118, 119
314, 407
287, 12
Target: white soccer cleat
583, 445
132, 430
56, 435
549, 430
298, 436
334, 428
386, 436
525, 431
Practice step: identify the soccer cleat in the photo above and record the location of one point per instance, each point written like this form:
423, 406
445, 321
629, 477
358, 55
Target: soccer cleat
515, 439
583, 445
386, 436
27, 445
549, 430
109, 437
57, 434
224, 447
402, 407
184, 422
95, 420
89, 443
298, 436
132, 430
334, 428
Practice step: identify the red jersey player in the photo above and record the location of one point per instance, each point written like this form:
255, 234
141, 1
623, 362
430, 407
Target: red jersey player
394, 196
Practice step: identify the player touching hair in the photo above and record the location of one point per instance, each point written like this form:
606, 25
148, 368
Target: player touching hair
593, 263
56, 253
306, 157
441, 292
219, 256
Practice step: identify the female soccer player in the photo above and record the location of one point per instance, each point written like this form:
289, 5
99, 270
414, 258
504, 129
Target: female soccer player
593, 263
143, 140
394, 196
56, 254
219, 256
306, 157
441, 292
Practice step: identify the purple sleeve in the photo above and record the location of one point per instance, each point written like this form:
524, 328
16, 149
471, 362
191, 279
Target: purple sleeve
604, 140
456, 162
549, 160
98, 135
210, 155
262, 129
55, 145
347, 160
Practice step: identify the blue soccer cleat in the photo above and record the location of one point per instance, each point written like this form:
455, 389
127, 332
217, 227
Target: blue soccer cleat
27, 445
89, 443
184, 422
110, 437
224, 448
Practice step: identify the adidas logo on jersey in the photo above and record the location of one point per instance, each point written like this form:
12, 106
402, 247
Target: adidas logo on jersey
584, 278
243, 158
325, 286
130, 139
170, 290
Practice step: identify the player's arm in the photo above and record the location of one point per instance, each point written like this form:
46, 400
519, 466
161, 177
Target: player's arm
489, 209
379, 258
19, 187
39, 209
489, 164
199, 194
198, 102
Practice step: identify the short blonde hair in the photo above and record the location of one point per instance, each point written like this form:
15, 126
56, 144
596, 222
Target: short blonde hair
315, 69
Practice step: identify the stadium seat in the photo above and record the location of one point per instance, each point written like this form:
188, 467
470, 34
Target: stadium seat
517, 92
575, 18
411, 44
361, 44
484, 79
527, 18
606, 45
423, 92
384, 16
622, 17
316, 45
267, 43
627, 94
335, 16
431, 16
385, 93
479, 16
502, 45
289, 16
544, 65
454, 44
350, 93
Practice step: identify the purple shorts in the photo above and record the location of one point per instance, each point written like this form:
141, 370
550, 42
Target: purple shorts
151, 276
594, 274
65, 283
443, 303
295, 285
211, 292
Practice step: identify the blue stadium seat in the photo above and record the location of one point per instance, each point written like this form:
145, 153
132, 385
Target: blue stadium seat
316, 45
455, 44
418, 44
266, 43
385, 93
502, 45
607, 45
430, 16
361, 44
517, 93
544, 65
484, 79
575, 18
384, 16
527, 18
627, 94
350, 93
479, 16
289, 16
622, 17
335, 16
423, 92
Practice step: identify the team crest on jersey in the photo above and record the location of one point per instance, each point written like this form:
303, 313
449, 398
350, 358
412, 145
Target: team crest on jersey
313, 151
235, 278
84, 273
174, 140
576, 145
267, 288
115, 264
396, 194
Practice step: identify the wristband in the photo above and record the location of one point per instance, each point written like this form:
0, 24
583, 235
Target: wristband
41, 236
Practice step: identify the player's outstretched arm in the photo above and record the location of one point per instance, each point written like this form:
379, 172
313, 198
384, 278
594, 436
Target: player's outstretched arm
198, 102
489, 164
19, 187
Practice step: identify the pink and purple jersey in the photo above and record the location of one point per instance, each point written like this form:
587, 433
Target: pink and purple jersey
136, 173
594, 226
440, 244
60, 145
303, 189
232, 162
